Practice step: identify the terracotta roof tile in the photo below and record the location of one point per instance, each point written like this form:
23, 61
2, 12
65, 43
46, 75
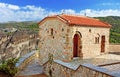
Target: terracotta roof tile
79, 20
83, 21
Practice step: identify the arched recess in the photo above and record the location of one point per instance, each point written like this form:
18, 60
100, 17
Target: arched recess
77, 45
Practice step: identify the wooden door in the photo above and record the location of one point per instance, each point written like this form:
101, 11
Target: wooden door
75, 47
102, 44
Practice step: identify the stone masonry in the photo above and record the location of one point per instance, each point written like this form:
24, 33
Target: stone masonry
56, 37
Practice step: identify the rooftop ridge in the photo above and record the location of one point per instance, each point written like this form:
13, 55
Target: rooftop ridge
72, 15
76, 15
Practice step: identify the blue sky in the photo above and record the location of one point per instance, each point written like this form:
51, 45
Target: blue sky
28, 10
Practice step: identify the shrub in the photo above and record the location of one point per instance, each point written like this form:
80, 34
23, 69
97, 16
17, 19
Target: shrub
8, 67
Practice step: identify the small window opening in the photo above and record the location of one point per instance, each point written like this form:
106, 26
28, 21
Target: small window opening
51, 31
96, 40
90, 30
62, 29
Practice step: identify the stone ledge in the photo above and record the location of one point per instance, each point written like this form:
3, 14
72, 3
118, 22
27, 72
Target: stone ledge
68, 64
75, 66
96, 68
22, 59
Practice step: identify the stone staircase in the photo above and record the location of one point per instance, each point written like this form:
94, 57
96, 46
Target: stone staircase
32, 69
29, 66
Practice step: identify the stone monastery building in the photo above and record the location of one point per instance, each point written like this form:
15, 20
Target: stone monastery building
68, 36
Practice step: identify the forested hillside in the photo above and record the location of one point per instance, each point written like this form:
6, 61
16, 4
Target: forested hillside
28, 25
115, 30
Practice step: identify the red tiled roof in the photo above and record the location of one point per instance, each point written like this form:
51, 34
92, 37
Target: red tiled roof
84, 21
81, 20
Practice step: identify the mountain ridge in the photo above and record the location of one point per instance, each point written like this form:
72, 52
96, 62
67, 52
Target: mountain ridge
33, 26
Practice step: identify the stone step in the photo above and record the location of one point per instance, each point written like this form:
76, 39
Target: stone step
76, 58
36, 75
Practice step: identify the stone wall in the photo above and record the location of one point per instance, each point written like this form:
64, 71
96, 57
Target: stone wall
84, 70
54, 42
114, 47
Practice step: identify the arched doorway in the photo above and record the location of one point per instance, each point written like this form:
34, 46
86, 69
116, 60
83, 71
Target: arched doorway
77, 46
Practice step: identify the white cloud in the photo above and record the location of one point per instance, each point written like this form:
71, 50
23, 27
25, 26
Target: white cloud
14, 7
9, 12
9, 6
2, 5
109, 4
104, 4
68, 11
103, 13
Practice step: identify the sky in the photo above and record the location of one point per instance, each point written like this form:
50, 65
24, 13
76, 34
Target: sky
35, 10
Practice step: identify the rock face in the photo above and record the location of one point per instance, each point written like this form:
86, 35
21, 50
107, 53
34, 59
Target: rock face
66, 41
17, 44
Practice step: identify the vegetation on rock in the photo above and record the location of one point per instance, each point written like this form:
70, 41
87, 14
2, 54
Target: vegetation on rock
8, 67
